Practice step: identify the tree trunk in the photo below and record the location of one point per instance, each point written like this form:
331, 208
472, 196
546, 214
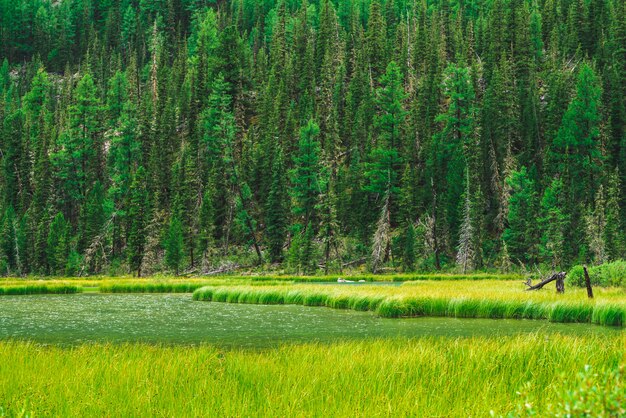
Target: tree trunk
588, 283
560, 284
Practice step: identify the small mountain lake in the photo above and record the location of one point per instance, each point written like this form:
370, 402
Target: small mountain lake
176, 319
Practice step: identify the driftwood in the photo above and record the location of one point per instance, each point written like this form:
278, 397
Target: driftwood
588, 283
560, 282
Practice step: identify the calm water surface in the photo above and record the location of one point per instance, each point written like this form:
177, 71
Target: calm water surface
74, 319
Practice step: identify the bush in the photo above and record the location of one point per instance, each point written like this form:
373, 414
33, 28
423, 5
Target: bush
604, 275
592, 395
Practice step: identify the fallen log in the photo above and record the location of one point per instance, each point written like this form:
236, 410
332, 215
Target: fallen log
560, 282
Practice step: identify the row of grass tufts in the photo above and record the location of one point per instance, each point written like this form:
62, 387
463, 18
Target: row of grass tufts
394, 306
42, 289
188, 286
382, 277
150, 287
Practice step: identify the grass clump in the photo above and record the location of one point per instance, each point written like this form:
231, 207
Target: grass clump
491, 299
40, 289
397, 377
150, 287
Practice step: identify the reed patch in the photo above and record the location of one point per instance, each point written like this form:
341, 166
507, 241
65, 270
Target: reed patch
414, 301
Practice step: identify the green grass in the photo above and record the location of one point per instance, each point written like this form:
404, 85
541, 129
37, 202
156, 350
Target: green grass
381, 277
150, 287
38, 289
426, 377
461, 300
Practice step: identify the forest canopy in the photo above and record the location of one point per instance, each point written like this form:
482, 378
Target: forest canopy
180, 135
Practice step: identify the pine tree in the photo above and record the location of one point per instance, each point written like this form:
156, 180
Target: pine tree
576, 150
454, 147
306, 258
276, 212
519, 234
77, 161
614, 234
376, 39
8, 240
305, 188
58, 245
595, 228
138, 216
206, 225
389, 121
577, 142
466, 252
552, 223
408, 254
382, 236
174, 247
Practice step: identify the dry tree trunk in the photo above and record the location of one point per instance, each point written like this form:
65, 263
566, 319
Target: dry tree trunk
560, 283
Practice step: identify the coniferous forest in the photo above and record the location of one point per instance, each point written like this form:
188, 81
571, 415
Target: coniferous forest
308, 136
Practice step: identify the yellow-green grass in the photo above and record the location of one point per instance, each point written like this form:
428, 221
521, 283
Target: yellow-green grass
132, 285
171, 284
424, 377
383, 277
464, 299
91, 281
38, 289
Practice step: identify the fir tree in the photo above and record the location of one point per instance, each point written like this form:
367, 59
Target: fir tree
206, 225
305, 187
408, 254
519, 234
466, 252
276, 211
57, 249
138, 216
595, 222
174, 247
552, 223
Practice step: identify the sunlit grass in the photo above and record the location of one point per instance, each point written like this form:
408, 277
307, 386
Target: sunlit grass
38, 289
462, 299
426, 377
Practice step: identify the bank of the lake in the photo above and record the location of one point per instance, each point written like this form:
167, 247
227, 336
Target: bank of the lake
481, 299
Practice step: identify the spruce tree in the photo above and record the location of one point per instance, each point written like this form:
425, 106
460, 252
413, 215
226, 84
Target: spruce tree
58, 245
408, 253
577, 154
305, 188
276, 218
206, 225
138, 214
519, 234
552, 223
174, 247
454, 148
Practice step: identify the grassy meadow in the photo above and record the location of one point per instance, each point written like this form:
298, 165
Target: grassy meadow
427, 377
463, 299
539, 374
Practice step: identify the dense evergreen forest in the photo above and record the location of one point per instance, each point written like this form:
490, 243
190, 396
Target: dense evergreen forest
303, 135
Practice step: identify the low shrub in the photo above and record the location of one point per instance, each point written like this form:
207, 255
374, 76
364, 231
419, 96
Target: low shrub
605, 275
591, 394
